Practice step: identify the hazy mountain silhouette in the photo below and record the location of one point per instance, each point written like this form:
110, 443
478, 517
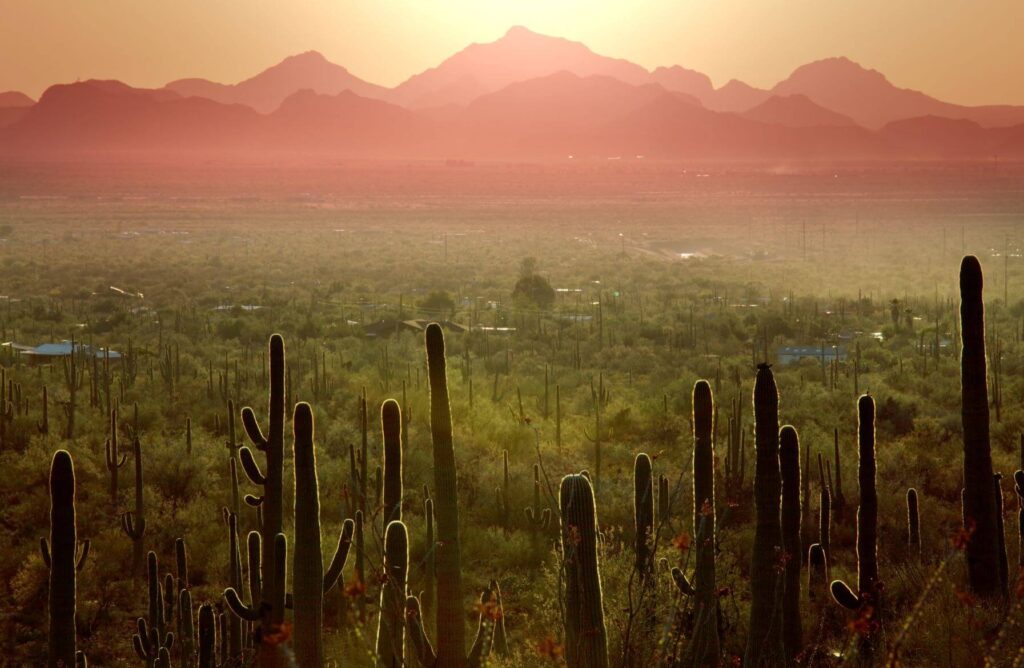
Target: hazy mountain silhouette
13, 99
682, 80
13, 107
346, 122
735, 96
523, 96
111, 116
265, 91
871, 100
796, 111
518, 55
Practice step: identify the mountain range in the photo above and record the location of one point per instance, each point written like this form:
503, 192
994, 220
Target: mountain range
523, 96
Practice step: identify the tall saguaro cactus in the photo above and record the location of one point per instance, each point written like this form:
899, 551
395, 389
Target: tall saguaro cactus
61, 555
764, 644
979, 504
114, 459
450, 627
134, 523
391, 621
309, 580
913, 523
586, 638
705, 635
789, 460
867, 529
271, 501
391, 427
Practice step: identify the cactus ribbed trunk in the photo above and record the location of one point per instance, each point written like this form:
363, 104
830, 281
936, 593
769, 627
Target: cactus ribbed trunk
913, 524
586, 639
764, 643
979, 504
867, 513
450, 624
789, 461
308, 567
706, 644
62, 547
391, 621
391, 426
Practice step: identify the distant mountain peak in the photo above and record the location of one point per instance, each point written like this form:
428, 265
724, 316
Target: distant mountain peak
14, 99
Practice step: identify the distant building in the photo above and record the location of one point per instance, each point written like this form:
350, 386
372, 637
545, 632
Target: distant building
791, 354
50, 352
386, 327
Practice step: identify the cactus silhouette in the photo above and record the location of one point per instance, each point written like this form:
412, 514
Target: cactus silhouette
391, 427
309, 581
391, 620
271, 501
913, 523
764, 643
1004, 566
789, 462
1018, 486
865, 599
705, 645
817, 572
643, 516
586, 638
63, 559
979, 504
152, 635
134, 523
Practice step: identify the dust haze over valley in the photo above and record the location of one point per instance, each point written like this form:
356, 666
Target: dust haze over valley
539, 358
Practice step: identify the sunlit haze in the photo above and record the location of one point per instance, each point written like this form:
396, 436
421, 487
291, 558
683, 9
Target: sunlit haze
956, 50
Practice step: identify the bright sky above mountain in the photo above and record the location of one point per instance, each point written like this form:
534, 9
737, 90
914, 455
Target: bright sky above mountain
962, 51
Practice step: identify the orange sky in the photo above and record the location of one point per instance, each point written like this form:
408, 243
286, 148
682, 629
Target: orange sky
965, 51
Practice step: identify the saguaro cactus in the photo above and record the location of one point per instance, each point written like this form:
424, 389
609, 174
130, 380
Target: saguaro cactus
1004, 566
134, 523
817, 571
789, 461
391, 620
1018, 486
913, 523
391, 427
586, 639
153, 636
643, 516
705, 641
867, 530
764, 644
450, 628
979, 511
270, 502
309, 581
114, 460
61, 555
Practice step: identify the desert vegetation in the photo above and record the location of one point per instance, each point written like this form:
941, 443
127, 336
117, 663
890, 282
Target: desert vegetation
664, 415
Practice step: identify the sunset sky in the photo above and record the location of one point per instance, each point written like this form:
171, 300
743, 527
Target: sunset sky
965, 51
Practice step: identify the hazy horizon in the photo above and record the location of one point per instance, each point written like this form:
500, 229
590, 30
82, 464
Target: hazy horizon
43, 43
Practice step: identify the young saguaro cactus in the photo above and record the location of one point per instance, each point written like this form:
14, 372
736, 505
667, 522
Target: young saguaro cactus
391, 620
391, 427
134, 523
61, 556
114, 460
537, 518
789, 461
271, 501
705, 635
867, 529
817, 571
309, 581
1018, 486
586, 638
153, 636
913, 523
979, 503
449, 625
764, 644
643, 516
